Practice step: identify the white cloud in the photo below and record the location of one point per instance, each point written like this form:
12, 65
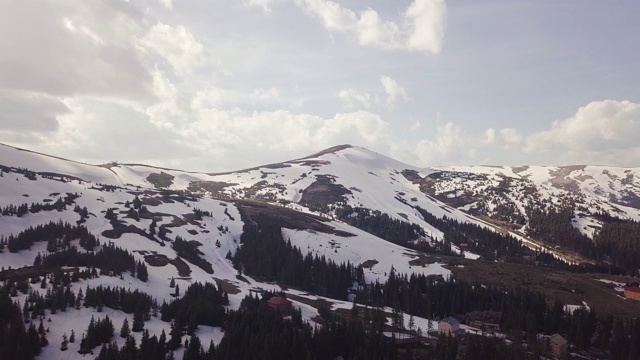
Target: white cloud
265, 5
450, 145
101, 130
350, 98
171, 109
84, 30
416, 126
390, 94
285, 131
426, 20
604, 131
511, 137
167, 3
489, 136
216, 97
177, 45
394, 92
421, 27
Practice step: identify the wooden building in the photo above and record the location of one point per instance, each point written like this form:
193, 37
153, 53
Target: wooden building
450, 326
280, 304
632, 292
558, 346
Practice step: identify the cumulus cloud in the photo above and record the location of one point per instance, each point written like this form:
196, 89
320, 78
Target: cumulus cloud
394, 92
219, 97
177, 45
507, 138
511, 137
602, 131
421, 27
167, 3
265, 5
285, 131
172, 108
100, 130
389, 95
489, 136
350, 98
450, 145
426, 20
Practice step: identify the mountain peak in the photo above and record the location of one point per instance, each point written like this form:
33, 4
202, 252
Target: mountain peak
330, 150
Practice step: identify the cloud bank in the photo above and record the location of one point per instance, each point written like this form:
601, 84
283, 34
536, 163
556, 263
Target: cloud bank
421, 27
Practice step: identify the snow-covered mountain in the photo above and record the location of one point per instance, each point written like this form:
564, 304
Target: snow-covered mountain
592, 191
306, 194
30, 178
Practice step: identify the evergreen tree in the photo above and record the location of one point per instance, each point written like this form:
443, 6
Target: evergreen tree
124, 330
143, 275
65, 343
193, 350
138, 321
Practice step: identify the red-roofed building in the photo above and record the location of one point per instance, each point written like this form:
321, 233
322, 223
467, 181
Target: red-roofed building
280, 304
632, 292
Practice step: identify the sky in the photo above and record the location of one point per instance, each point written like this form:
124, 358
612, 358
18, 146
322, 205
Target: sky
212, 85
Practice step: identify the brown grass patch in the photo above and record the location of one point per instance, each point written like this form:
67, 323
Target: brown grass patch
369, 264
289, 218
181, 266
151, 201
228, 287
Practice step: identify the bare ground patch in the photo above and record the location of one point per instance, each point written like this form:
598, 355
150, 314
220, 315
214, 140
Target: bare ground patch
228, 287
369, 264
289, 218
323, 192
160, 260
213, 187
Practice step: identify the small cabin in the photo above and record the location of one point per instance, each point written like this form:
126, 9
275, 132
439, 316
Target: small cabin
558, 345
632, 292
450, 326
280, 304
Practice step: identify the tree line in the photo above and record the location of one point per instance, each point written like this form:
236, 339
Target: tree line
266, 255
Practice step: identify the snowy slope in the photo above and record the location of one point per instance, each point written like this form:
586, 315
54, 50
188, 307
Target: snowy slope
56, 178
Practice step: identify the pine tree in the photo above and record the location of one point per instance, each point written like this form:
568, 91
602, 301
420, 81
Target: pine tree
142, 271
138, 321
124, 330
152, 227
175, 339
172, 283
65, 343
72, 338
194, 349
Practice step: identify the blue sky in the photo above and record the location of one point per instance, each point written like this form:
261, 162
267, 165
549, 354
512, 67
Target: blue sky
219, 85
